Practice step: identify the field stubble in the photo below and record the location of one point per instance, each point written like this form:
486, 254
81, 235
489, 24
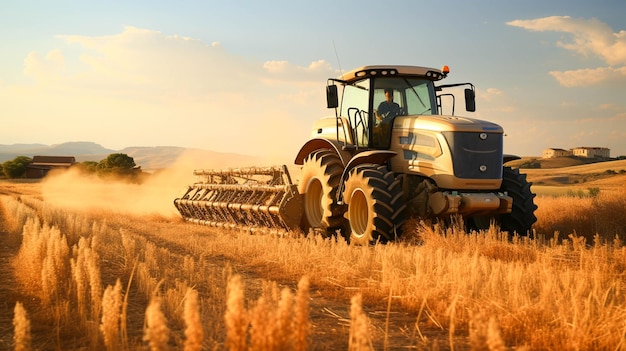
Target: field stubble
92, 277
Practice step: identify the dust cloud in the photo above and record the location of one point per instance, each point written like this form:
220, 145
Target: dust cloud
76, 191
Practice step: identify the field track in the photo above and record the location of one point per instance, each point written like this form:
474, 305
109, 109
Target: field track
8, 290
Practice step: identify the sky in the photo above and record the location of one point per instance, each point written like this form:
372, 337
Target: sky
249, 76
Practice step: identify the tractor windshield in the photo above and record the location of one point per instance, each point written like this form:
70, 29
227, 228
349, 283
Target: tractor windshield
414, 96
369, 106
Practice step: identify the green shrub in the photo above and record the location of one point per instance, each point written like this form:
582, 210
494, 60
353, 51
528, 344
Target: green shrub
16, 168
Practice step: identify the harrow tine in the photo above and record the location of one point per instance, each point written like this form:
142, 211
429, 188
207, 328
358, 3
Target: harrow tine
250, 198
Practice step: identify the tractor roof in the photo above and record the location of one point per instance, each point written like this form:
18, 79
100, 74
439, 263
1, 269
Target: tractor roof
384, 71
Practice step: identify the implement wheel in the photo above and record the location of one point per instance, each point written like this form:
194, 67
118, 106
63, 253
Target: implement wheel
375, 207
319, 181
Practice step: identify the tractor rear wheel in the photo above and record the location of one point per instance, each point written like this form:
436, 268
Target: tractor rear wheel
375, 210
522, 217
319, 181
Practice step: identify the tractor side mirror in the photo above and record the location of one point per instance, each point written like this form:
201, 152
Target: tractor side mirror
470, 100
332, 98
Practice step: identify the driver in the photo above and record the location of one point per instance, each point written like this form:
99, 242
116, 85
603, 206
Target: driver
387, 108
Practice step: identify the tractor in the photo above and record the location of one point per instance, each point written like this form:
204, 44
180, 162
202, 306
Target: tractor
386, 155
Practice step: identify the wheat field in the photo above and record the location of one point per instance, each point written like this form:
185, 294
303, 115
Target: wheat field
82, 271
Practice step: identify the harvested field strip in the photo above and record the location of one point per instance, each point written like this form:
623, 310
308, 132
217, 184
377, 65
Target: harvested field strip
437, 289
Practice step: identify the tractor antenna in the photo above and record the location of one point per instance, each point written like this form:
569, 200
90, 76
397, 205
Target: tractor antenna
337, 56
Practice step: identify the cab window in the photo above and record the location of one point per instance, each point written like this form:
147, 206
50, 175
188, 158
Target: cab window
355, 107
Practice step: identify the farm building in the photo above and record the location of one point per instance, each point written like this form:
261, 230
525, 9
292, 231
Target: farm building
553, 152
583, 151
41, 165
592, 152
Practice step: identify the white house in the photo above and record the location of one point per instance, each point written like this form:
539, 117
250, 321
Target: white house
554, 152
592, 152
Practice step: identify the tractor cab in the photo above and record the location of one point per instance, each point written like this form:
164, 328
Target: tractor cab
373, 97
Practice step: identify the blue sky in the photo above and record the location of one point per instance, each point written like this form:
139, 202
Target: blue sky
249, 76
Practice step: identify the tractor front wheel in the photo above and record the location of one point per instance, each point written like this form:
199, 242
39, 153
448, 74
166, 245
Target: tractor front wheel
375, 210
319, 181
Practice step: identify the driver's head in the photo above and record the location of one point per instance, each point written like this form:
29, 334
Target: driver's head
389, 94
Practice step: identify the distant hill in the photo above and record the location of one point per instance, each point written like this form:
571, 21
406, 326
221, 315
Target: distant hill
584, 174
19, 147
149, 158
79, 148
556, 162
154, 157
82, 150
159, 157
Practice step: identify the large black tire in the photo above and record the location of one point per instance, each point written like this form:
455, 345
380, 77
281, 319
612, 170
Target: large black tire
319, 182
522, 217
376, 210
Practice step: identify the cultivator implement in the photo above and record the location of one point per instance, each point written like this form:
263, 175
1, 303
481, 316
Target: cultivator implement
247, 198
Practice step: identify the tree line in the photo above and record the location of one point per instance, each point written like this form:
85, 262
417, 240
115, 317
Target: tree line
113, 165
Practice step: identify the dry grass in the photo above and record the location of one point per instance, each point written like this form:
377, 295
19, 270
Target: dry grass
583, 216
481, 290
359, 326
111, 314
276, 321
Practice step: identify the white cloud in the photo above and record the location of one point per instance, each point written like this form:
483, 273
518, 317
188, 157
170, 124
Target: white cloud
590, 76
618, 117
493, 103
44, 68
612, 107
589, 127
591, 37
284, 71
489, 94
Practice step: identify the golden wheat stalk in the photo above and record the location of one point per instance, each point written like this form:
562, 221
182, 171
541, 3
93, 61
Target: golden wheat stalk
194, 333
494, 340
262, 320
28, 263
21, 324
301, 326
111, 305
54, 265
284, 328
156, 332
80, 282
236, 317
95, 281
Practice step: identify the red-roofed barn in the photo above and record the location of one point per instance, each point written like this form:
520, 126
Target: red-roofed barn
41, 165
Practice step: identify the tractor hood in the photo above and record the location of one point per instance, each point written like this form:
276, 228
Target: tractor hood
441, 123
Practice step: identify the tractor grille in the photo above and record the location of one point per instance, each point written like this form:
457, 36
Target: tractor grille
476, 155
